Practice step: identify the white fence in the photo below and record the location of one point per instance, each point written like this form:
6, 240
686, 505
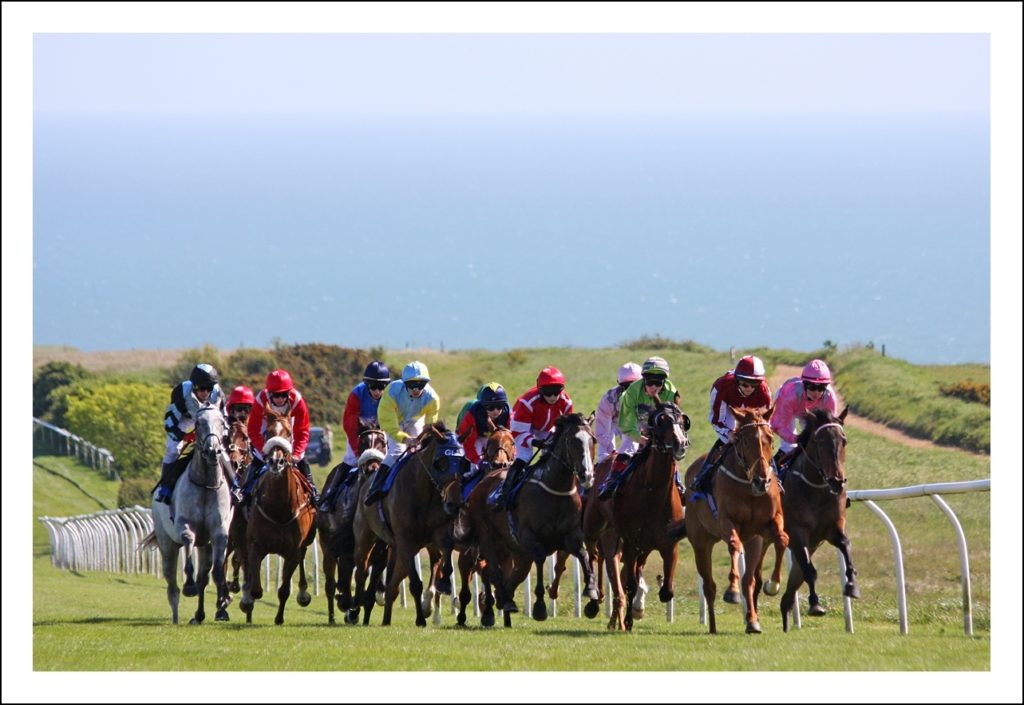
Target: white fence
63, 441
109, 540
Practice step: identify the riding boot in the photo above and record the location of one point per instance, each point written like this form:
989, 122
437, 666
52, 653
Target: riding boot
679, 486
334, 481
249, 480
499, 500
377, 487
165, 487
700, 483
303, 466
615, 479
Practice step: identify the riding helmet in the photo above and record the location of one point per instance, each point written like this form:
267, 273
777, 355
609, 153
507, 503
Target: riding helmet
204, 375
630, 372
415, 371
816, 372
377, 371
750, 367
550, 376
279, 381
241, 395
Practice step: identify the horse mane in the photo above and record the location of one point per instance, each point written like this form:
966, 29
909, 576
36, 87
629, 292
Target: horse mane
814, 418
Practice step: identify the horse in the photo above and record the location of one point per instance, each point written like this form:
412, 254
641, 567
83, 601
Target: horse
335, 530
199, 515
749, 510
500, 452
814, 504
283, 520
240, 454
638, 519
546, 517
415, 513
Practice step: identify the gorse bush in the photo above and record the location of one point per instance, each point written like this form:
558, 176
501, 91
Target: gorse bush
968, 391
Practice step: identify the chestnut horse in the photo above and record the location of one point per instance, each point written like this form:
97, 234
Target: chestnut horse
500, 452
815, 507
546, 517
337, 540
240, 453
638, 519
282, 521
414, 514
749, 511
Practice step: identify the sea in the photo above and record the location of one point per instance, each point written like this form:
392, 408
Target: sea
504, 231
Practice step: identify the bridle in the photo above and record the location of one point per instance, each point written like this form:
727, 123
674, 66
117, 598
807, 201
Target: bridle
816, 464
577, 470
749, 466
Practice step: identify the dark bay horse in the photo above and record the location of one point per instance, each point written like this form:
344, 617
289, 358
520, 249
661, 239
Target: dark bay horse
415, 514
199, 516
546, 517
749, 511
335, 529
638, 518
240, 453
815, 509
500, 452
282, 520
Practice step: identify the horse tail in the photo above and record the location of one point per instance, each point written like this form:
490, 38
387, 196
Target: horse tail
148, 542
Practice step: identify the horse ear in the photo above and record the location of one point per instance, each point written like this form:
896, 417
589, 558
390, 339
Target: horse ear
590, 419
192, 405
771, 410
686, 422
842, 416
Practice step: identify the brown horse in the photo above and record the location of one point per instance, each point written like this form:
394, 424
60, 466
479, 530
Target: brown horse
335, 529
415, 513
240, 453
815, 509
638, 519
283, 519
500, 452
749, 511
546, 517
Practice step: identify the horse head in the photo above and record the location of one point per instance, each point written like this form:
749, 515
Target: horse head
500, 450
444, 459
277, 436
823, 442
211, 427
667, 428
572, 446
752, 445
371, 436
239, 450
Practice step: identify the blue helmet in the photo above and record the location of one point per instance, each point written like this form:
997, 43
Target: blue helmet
416, 371
377, 371
492, 393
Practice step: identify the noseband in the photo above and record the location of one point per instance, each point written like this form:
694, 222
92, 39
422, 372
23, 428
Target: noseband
816, 464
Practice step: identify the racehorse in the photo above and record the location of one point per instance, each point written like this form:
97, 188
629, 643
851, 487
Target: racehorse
283, 519
815, 507
499, 452
546, 517
335, 529
749, 510
240, 454
638, 519
199, 515
414, 514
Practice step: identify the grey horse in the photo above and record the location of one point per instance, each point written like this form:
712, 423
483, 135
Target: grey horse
199, 515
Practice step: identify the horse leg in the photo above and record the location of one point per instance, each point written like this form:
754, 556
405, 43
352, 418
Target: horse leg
840, 540
330, 583
487, 608
467, 562
802, 557
220, 578
702, 560
540, 609
205, 559
613, 567
397, 571
252, 590
669, 558
560, 559
169, 560
303, 598
629, 567
188, 541
755, 551
775, 581
291, 562
788, 600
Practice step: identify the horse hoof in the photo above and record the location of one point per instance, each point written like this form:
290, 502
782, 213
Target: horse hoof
233, 586
279, 621
245, 606
487, 619
509, 607
753, 627
222, 616
540, 611
421, 622
257, 595
732, 597
591, 609
379, 598
303, 599
189, 590
638, 615
194, 621
771, 588
816, 610
665, 594
352, 617
852, 591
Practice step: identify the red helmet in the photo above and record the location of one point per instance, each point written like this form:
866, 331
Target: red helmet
279, 381
750, 367
550, 376
241, 395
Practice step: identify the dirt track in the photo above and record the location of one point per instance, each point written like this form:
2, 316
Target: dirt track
784, 372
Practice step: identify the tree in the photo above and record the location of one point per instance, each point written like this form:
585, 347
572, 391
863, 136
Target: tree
50, 386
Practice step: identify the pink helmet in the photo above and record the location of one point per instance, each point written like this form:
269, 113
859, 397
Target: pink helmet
750, 367
279, 381
550, 376
816, 372
630, 372
241, 395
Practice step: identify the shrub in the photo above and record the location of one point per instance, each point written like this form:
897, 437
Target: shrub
968, 391
49, 389
135, 490
658, 342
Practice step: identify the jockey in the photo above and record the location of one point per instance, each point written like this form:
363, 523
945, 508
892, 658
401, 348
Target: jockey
360, 410
533, 418
473, 431
240, 404
283, 398
797, 395
606, 419
638, 401
201, 387
407, 406
743, 388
